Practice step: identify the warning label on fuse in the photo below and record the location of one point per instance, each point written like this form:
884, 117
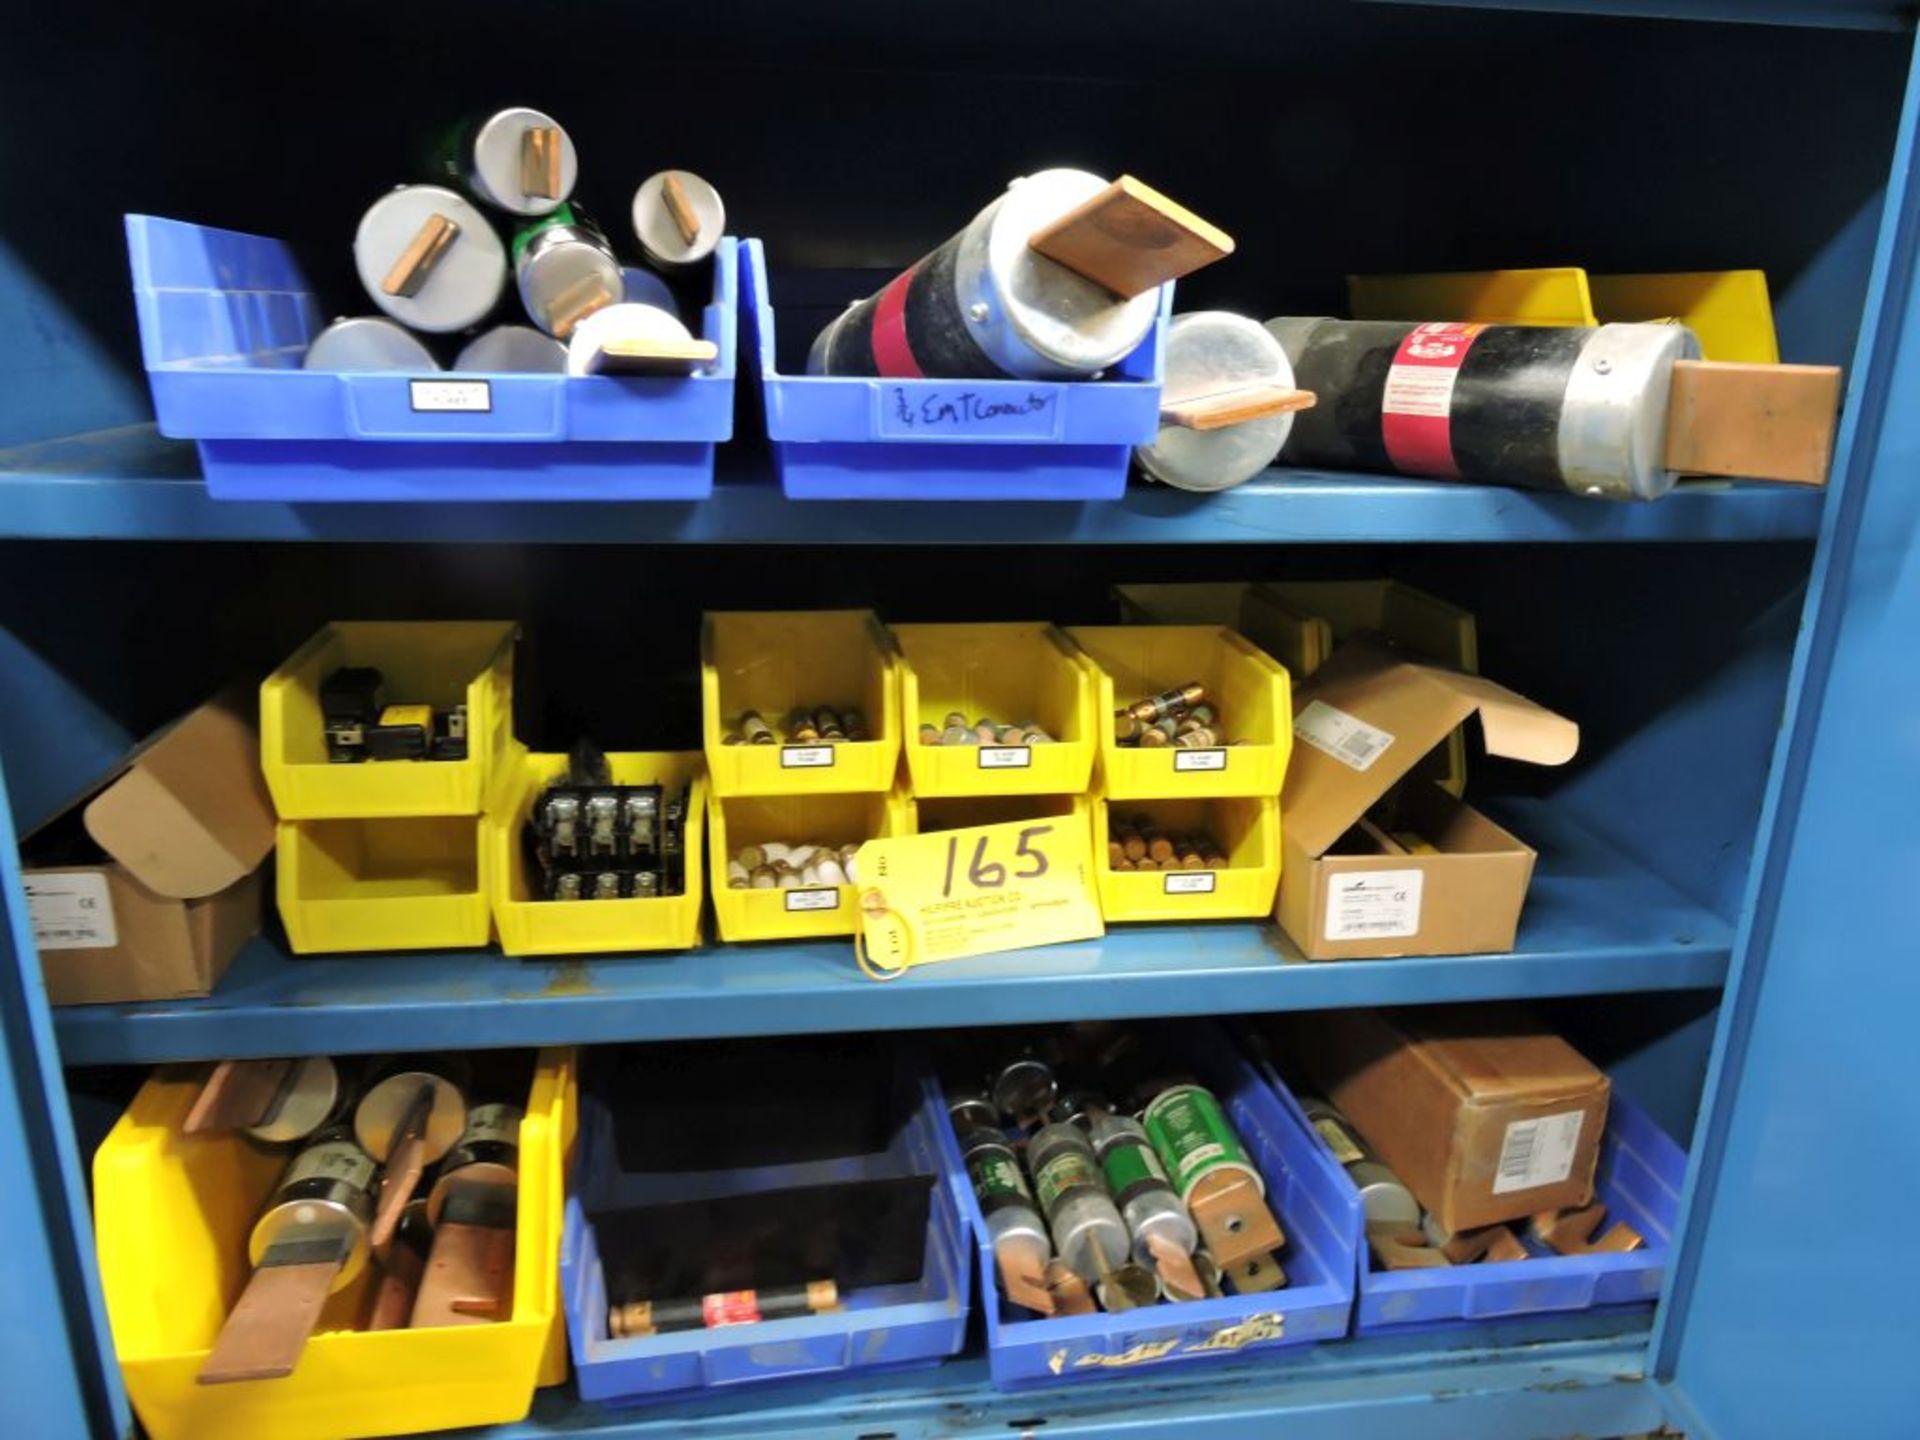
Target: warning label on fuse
1416, 408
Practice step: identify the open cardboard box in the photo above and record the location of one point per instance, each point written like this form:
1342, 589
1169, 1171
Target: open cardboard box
163, 885
1363, 723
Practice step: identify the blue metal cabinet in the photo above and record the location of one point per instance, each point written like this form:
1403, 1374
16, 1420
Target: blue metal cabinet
1789, 1302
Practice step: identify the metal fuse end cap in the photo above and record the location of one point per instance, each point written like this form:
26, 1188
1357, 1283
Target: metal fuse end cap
1208, 352
659, 233
367, 343
498, 148
466, 280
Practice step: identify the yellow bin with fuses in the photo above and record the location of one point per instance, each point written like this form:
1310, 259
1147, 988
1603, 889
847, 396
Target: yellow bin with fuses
772, 661
1247, 829
807, 912
1011, 673
171, 1217
1249, 688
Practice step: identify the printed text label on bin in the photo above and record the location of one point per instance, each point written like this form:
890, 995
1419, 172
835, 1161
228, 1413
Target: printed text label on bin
1191, 882
806, 757
826, 899
1005, 757
975, 891
459, 397
1187, 762
922, 411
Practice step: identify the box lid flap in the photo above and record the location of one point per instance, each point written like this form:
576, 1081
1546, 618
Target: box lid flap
1490, 1053
1370, 714
188, 813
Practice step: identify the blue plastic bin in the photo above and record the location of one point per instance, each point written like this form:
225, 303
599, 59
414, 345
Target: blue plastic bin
1639, 1176
893, 1327
225, 318
863, 439
1305, 1189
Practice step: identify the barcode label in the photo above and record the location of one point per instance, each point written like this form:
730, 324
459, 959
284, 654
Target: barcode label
1538, 1152
1347, 738
813, 899
1374, 905
71, 911
806, 757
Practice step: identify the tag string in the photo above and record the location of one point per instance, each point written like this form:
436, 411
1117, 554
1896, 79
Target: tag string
874, 903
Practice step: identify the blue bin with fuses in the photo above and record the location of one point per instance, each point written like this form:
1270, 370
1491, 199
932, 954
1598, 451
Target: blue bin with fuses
886, 1327
854, 438
225, 318
1304, 1190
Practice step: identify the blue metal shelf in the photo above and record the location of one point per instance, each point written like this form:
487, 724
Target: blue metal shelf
1595, 923
129, 484
1573, 1375
1816, 14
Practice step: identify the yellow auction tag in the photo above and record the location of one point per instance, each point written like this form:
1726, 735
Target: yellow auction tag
970, 892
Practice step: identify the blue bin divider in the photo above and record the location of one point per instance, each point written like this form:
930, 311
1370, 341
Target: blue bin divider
1639, 1175
847, 438
885, 1328
225, 318
1304, 1188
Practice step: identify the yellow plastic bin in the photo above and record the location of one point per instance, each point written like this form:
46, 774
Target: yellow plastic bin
772, 661
1009, 673
1550, 295
1322, 613
529, 925
438, 662
1247, 828
1249, 688
794, 819
1729, 310
961, 813
171, 1218
410, 884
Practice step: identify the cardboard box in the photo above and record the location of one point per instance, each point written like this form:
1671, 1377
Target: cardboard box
1363, 723
1486, 1115
145, 888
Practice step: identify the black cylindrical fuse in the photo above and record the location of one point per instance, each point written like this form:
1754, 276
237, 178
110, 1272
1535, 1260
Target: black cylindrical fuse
323, 1201
487, 1153
1539, 407
986, 306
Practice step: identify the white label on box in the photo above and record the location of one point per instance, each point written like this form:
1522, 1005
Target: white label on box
1185, 761
1538, 1152
1006, 757
828, 899
1347, 738
1374, 905
806, 757
1187, 882
460, 397
71, 912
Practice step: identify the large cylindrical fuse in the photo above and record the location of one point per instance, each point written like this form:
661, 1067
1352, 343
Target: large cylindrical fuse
1148, 1203
1209, 1166
365, 344
425, 1092
487, 1153
722, 1308
678, 218
429, 258
1540, 407
1227, 406
316, 1093
1088, 1232
1384, 1199
324, 1200
1025, 1089
565, 269
986, 306
518, 160
1021, 1243
512, 350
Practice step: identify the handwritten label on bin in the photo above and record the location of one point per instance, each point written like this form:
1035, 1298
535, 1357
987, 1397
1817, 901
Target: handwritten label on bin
975, 891
988, 411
